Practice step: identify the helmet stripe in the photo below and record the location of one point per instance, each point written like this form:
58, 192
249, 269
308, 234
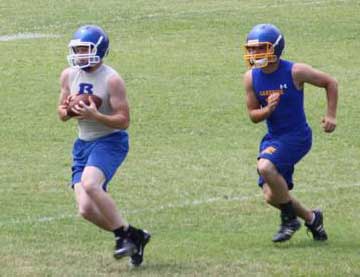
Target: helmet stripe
99, 41
277, 41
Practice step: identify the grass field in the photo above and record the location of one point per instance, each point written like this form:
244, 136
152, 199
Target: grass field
190, 177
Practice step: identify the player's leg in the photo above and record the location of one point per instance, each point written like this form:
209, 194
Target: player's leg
88, 210
269, 196
106, 157
313, 218
277, 194
282, 155
300, 210
91, 181
106, 154
130, 241
275, 182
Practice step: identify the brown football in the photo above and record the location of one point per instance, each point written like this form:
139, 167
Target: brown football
85, 98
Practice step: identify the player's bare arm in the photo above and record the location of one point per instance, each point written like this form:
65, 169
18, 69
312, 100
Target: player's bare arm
120, 118
303, 73
64, 95
256, 112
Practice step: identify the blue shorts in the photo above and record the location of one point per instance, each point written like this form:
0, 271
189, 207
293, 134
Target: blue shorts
106, 153
284, 152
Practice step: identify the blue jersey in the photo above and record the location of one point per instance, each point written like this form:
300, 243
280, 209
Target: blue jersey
289, 116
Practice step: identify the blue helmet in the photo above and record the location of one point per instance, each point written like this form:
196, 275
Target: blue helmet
264, 44
95, 40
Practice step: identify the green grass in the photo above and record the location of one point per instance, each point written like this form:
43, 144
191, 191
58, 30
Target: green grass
190, 176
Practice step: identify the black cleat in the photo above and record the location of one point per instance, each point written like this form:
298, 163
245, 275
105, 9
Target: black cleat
143, 237
317, 228
124, 247
286, 231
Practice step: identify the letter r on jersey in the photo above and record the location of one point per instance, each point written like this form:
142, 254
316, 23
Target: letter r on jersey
86, 88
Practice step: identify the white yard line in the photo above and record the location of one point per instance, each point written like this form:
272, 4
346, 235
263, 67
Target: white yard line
190, 203
19, 36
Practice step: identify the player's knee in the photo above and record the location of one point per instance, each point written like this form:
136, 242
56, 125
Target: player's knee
265, 168
89, 187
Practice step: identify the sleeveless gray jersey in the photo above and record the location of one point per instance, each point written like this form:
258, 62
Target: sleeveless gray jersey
93, 83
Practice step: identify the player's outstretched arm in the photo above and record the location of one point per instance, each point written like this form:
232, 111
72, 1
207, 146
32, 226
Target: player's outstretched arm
255, 111
303, 73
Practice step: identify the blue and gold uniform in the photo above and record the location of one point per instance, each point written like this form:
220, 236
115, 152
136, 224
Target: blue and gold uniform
289, 136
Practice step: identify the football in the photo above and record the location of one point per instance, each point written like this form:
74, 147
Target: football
85, 98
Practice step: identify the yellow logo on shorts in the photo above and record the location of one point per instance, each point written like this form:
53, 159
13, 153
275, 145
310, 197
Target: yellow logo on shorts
269, 150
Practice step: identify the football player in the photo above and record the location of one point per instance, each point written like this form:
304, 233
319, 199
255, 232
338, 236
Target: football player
102, 143
275, 94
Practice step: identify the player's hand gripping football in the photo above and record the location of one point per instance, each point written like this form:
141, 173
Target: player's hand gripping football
62, 108
273, 100
328, 123
86, 111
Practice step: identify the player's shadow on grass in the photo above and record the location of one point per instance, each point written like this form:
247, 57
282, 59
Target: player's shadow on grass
162, 269
302, 244
149, 267
336, 243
